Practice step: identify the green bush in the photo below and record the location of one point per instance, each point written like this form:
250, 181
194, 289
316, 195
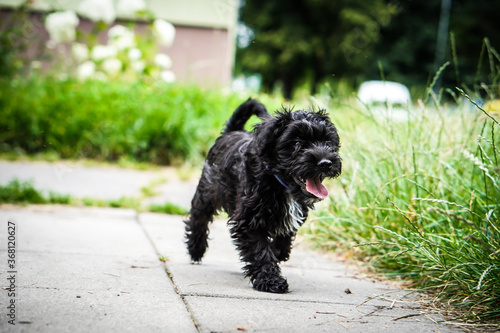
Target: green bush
157, 123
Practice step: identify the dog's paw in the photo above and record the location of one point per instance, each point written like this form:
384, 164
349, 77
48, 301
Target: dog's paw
196, 254
271, 284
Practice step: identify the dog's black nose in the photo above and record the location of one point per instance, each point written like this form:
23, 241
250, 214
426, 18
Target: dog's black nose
325, 164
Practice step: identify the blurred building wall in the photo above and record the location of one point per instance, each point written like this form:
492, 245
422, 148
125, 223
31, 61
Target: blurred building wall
204, 46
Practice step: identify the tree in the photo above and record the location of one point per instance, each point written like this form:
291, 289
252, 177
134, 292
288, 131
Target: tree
407, 46
309, 40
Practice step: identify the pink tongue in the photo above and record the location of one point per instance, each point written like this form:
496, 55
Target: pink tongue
315, 187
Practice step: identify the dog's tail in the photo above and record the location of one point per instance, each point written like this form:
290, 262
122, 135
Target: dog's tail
243, 113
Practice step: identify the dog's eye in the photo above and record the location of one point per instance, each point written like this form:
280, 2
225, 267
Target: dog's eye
297, 144
330, 147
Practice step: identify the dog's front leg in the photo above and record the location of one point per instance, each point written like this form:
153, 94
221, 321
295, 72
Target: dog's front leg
282, 245
261, 262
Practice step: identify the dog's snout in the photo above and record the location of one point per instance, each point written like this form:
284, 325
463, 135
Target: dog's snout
325, 164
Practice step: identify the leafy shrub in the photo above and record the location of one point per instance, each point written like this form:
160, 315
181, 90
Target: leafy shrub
158, 123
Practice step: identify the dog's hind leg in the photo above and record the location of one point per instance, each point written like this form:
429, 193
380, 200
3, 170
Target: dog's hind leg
200, 216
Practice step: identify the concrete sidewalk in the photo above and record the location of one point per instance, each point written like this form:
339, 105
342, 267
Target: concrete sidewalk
96, 182
95, 269
99, 270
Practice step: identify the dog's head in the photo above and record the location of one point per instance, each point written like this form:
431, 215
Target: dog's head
301, 149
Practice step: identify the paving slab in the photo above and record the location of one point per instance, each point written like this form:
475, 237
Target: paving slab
60, 229
61, 310
221, 299
86, 270
254, 315
174, 191
311, 277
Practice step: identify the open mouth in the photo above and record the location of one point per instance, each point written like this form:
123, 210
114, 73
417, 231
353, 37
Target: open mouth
312, 186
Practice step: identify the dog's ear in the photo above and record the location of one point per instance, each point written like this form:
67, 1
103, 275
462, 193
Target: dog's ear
267, 133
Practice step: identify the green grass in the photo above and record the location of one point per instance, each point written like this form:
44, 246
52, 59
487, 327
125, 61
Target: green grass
24, 193
168, 208
420, 199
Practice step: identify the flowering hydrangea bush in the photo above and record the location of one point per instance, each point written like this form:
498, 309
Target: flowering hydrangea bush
126, 55
80, 52
121, 37
62, 26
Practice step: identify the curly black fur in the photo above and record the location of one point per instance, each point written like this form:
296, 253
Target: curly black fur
266, 180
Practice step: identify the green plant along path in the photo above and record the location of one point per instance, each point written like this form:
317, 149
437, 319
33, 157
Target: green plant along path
420, 199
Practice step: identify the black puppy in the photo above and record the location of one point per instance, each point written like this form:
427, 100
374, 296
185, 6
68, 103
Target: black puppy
266, 180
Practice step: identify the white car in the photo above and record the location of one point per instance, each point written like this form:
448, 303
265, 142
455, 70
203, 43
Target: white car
371, 92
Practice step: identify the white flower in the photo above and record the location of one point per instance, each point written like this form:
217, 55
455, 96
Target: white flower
121, 37
97, 10
85, 70
100, 52
163, 60
112, 66
61, 26
138, 66
80, 52
168, 76
129, 8
134, 54
164, 31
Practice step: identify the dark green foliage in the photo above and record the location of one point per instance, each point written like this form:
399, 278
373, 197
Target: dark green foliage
309, 42
407, 46
108, 120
